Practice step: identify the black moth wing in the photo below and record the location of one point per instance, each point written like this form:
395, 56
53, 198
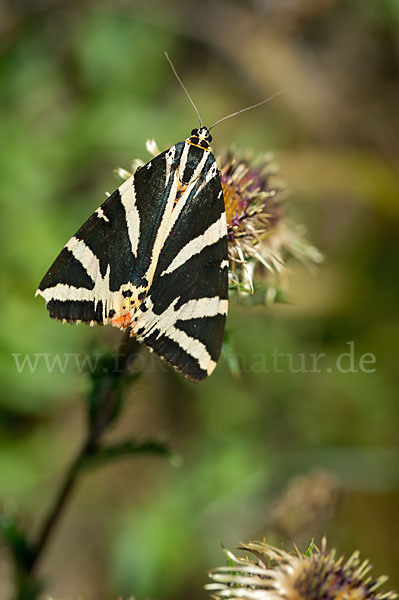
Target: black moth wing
153, 258
185, 310
107, 256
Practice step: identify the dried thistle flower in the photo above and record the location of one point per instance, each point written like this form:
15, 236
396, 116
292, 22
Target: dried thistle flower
309, 498
260, 236
278, 575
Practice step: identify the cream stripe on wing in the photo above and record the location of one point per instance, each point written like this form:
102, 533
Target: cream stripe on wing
165, 325
100, 291
63, 292
85, 256
128, 199
193, 309
100, 214
172, 211
162, 230
203, 307
213, 171
169, 158
214, 233
191, 346
182, 203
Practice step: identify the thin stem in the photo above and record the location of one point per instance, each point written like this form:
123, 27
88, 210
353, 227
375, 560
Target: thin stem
57, 507
127, 350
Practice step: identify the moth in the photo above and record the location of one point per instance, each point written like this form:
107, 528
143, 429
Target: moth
153, 258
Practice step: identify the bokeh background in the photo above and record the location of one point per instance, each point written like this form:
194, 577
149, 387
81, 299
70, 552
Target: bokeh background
282, 455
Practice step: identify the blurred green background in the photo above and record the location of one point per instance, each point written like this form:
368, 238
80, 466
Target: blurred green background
83, 85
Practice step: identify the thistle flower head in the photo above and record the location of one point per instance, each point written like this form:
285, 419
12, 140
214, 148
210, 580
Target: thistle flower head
252, 204
273, 574
261, 238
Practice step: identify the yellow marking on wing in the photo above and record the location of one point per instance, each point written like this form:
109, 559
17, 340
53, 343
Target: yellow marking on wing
198, 146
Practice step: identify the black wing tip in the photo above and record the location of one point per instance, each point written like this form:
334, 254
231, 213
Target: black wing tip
179, 369
193, 378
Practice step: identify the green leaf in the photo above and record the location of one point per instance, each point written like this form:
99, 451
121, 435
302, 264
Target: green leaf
105, 454
16, 541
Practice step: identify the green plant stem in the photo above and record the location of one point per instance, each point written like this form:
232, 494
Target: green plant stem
59, 503
127, 351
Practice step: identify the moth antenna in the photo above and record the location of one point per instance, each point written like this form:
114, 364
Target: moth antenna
247, 108
184, 87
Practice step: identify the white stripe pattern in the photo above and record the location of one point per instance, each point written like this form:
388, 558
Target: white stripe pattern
91, 264
169, 159
63, 291
85, 256
172, 211
150, 322
100, 214
213, 171
146, 322
214, 233
182, 203
193, 347
202, 307
128, 198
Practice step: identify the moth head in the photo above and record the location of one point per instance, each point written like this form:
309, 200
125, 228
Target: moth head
201, 137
